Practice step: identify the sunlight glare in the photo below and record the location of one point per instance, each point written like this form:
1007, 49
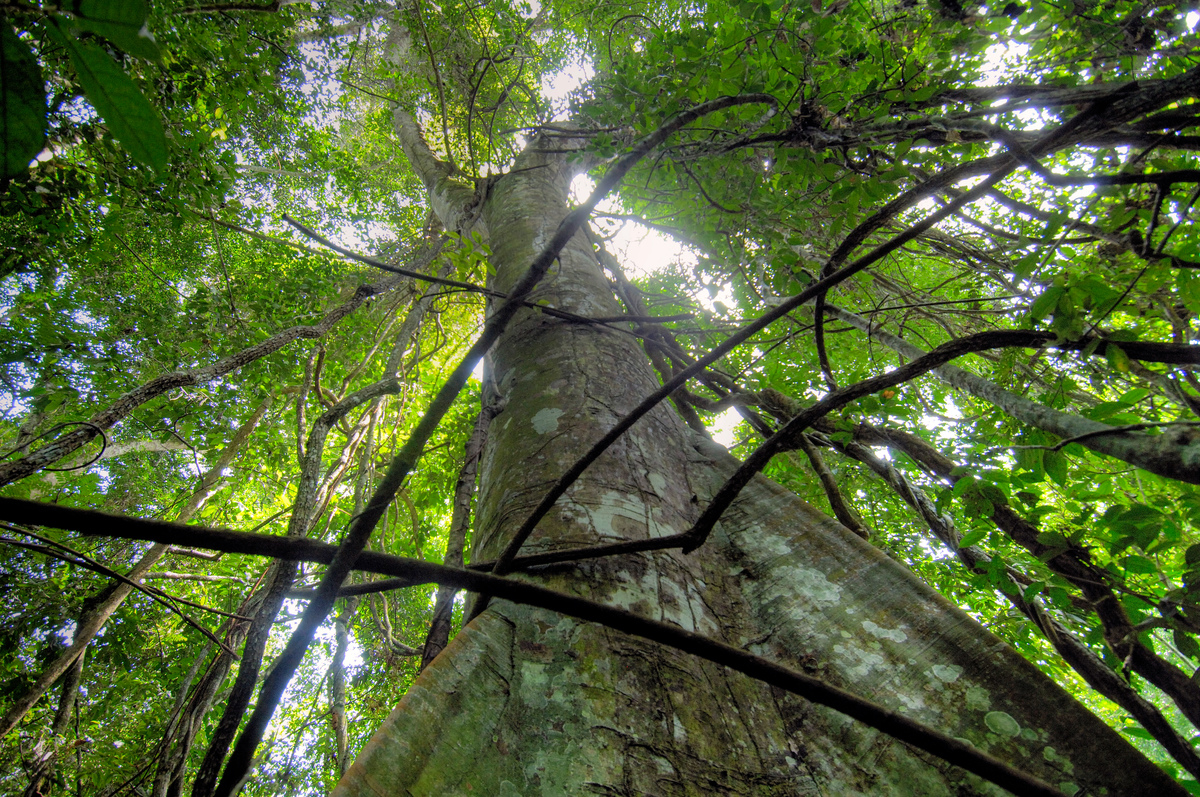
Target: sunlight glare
641, 250
723, 426
559, 86
1000, 59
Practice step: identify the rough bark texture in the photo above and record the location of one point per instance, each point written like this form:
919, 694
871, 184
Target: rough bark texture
524, 701
1074, 565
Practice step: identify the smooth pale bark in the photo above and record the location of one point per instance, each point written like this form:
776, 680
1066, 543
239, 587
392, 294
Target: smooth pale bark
451, 200
337, 682
524, 701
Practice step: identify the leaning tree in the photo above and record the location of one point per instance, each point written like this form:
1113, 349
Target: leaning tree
309, 307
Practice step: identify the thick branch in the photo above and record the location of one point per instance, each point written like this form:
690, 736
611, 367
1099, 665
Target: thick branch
953, 750
1073, 565
1079, 656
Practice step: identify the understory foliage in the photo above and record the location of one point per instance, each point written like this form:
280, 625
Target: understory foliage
145, 230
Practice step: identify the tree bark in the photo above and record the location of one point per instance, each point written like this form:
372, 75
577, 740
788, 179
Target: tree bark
1074, 565
526, 701
311, 494
337, 682
46, 751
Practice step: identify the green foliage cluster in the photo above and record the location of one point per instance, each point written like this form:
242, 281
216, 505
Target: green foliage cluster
144, 182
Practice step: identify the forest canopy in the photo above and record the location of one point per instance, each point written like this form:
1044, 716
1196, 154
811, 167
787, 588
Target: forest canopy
929, 266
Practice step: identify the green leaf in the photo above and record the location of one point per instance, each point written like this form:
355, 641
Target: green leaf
1056, 464
1045, 304
122, 22
1052, 539
1026, 265
1139, 564
1186, 644
1060, 597
132, 119
1030, 458
1120, 544
1131, 397
973, 537
976, 505
22, 104
1117, 358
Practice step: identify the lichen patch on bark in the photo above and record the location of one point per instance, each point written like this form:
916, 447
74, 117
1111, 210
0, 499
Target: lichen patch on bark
546, 420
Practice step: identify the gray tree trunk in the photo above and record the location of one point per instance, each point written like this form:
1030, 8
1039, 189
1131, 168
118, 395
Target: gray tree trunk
524, 701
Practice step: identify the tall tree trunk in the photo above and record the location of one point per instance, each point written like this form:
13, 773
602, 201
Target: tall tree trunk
525, 701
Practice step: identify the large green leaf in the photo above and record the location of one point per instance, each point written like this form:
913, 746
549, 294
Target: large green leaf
1057, 466
122, 22
132, 119
22, 104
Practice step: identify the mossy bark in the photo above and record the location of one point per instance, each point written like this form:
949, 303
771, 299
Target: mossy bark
526, 702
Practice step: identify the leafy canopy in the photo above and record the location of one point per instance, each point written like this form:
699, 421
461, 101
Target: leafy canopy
150, 155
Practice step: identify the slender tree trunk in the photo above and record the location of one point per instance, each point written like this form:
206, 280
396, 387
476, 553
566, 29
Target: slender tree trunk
525, 701
177, 724
169, 778
46, 752
311, 493
337, 682
464, 492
